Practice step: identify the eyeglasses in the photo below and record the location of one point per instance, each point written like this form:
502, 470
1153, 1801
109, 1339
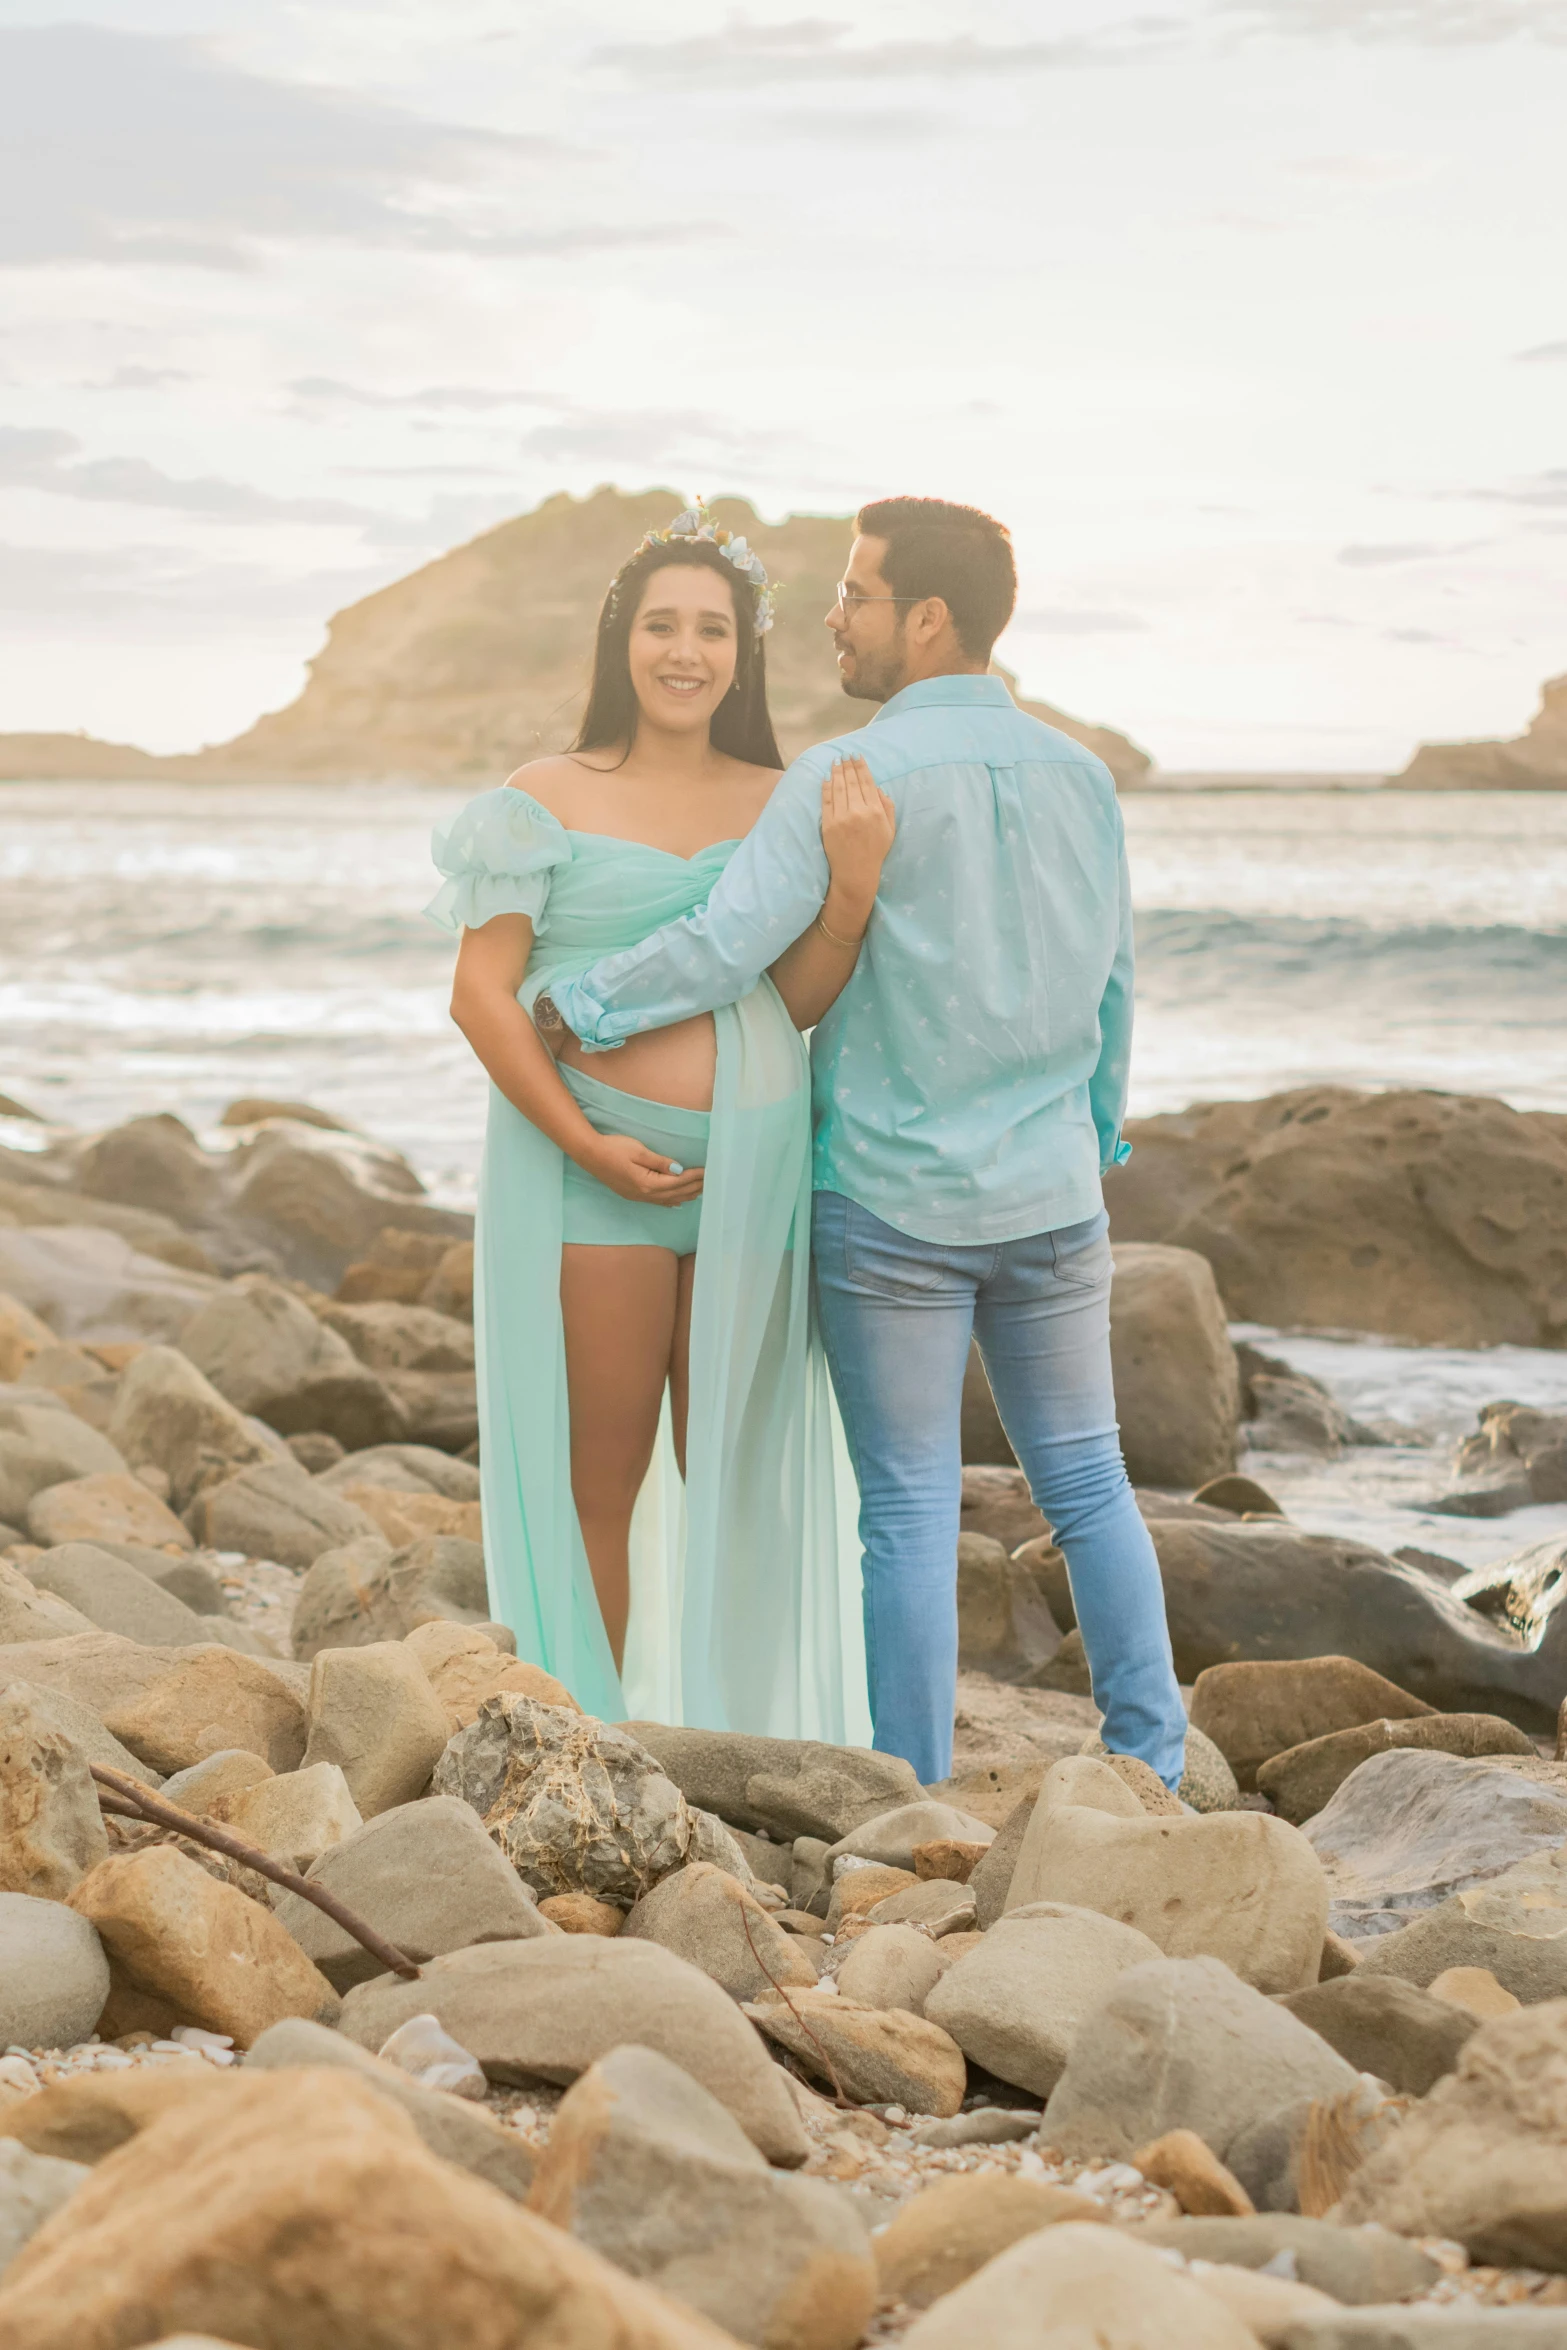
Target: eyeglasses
844, 599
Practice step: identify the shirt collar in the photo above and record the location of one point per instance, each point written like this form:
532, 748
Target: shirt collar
963, 686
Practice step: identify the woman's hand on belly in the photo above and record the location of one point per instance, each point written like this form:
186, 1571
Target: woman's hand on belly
674, 1065
627, 1167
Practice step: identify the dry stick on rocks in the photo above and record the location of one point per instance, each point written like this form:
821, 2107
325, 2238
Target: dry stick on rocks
120, 1794
847, 2103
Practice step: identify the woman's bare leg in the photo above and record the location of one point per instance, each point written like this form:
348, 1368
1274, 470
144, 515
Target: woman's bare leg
680, 1356
618, 1309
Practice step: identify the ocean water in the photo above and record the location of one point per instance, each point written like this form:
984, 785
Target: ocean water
171, 947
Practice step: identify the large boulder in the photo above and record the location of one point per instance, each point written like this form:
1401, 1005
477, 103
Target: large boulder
547, 2009
788, 1787
51, 1830
1483, 2158
197, 1701
360, 1590
264, 1350
423, 1874
707, 1917
181, 1935
1386, 2028
405, 1468
1235, 1885
1180, 2044
317, 1199
1177, 1386
648, 2168
167, 1416
153, 1162
1406, 1830
1438, 1218
42, 1445
1016, 2002
1005, 1626
109, 1508
300, 2208
452, 2128
117, 1597
391, 1337
372, 1712
1263, 1590
1303, 1780
1255, 1710
576, 1806
1513, 1925
1067, 2287
876, 2056
275, 1510
28, 1614
89, 1283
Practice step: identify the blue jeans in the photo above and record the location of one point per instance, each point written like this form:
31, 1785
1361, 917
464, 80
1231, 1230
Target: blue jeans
896, 1316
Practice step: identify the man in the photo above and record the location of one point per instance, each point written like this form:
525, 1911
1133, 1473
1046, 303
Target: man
968, 1089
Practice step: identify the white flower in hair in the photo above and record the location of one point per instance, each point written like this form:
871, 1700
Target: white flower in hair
695, 522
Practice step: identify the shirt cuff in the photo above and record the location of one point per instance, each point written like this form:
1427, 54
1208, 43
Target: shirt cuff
1118, 1157
581, 1014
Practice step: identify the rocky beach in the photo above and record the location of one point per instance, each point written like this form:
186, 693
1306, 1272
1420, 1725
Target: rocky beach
355, 1987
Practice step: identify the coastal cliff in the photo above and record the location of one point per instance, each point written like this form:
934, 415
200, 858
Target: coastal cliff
1533, 761
479, 660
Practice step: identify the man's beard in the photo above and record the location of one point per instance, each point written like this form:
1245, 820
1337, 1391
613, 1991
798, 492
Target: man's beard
876, 677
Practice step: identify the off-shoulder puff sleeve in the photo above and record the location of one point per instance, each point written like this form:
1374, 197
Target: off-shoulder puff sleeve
498, 855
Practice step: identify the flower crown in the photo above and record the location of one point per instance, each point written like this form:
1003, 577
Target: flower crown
695, 522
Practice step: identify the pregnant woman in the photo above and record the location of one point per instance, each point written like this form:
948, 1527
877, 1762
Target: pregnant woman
668, 1512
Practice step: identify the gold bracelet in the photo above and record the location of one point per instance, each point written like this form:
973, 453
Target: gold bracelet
836, 940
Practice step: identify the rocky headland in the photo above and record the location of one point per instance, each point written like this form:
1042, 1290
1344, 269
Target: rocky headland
1535, 760
479, 661
359, 1992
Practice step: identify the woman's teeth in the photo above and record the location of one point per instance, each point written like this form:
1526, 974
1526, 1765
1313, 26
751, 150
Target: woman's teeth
683, 685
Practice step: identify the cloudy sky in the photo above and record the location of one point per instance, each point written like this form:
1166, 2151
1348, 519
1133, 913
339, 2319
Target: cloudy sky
1250, 316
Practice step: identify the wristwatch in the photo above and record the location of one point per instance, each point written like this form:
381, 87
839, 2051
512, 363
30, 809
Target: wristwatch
546, 1014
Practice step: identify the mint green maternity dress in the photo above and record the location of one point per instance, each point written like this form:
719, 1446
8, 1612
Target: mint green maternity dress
745, 1580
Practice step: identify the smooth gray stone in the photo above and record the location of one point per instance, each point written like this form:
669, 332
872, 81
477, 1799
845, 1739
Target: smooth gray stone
547, 2009
117, 1597
1463, 2326
1355, 2265
992, 2125
31, 2187
1184, 2044
81, 1724
1383, 2026
426, 1876
789, 1786
451, 2127
54, 1977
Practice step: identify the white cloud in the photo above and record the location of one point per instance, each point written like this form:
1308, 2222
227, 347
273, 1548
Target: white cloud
814, 49
1425, 24
44, 458
132, 148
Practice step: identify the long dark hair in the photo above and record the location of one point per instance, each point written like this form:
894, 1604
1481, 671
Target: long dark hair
742, 727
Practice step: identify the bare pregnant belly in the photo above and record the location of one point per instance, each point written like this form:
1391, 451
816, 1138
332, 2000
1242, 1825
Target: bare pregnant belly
673, 1065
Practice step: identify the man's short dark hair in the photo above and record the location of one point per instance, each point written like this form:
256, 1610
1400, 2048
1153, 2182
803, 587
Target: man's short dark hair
955, 552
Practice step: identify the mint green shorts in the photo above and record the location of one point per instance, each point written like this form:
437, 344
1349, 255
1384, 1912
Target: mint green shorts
596, 1217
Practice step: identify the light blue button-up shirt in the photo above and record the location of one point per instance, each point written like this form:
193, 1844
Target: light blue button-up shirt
970, 1081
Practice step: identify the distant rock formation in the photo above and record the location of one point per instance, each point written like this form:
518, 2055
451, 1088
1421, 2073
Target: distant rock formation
479, 660
1536, 761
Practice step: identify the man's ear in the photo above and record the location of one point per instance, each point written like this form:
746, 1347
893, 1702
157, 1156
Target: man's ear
930, 618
